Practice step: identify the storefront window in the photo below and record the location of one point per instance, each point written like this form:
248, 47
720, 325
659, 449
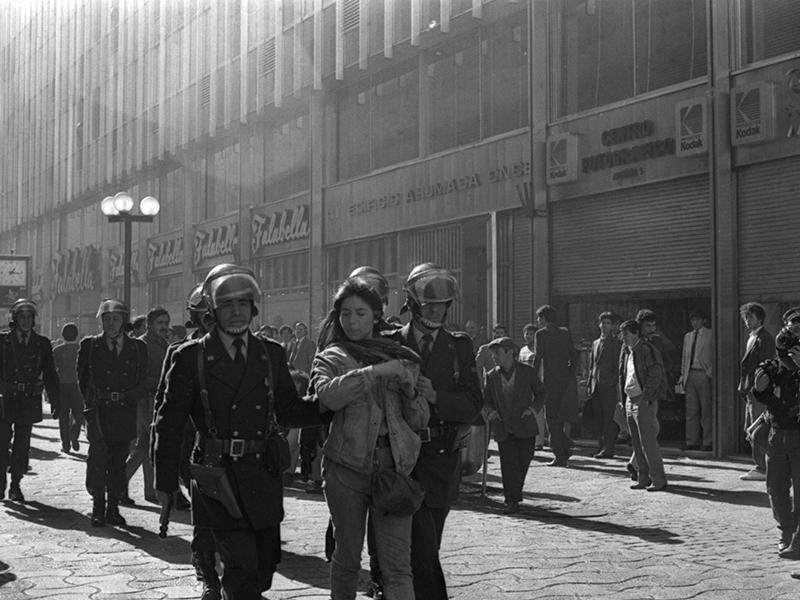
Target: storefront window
380, 253
505, 83
769, 28
283, 272
165, 290
610, 50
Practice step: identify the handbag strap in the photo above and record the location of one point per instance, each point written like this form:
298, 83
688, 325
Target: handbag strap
201, 377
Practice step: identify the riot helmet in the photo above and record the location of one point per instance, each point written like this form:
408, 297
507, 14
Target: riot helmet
375, 279
108, 305
199, 313
23, 305
429, 283
227, 282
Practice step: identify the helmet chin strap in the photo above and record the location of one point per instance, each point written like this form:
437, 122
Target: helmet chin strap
236, 330
417, 313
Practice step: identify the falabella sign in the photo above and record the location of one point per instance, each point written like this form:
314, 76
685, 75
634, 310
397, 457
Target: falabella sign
282, 226
219, 240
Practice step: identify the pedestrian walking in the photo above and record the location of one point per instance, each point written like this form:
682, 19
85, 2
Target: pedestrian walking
155, 339
111, 375
513, 396
70, 418
760, 347
449, 379
236, 388
26, 369
641, 380
368, 382
555, 354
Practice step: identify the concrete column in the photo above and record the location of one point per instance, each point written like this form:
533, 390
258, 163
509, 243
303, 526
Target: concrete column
318, 300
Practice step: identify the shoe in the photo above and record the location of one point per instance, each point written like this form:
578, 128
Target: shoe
657, 488
15, 493
182, 502
539, 447
785, 542
640, 486
210, 593
603, 454
76, 445
65, 449
792, 552
288, 479
557, 462
705, 448
314, 487
113, 517
152, 499
633, 472
511, 508
690, 447
98, 511
127, 501
754, 475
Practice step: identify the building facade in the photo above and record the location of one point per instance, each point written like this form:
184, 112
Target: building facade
594, 155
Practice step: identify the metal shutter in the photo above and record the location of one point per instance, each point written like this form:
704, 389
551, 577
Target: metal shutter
522, 278
768, 195
653, 237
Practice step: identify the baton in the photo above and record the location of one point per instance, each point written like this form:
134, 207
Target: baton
163, 519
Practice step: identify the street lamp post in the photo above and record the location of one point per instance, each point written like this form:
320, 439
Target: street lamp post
118, 210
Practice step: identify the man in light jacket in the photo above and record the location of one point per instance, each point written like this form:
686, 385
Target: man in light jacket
696, 363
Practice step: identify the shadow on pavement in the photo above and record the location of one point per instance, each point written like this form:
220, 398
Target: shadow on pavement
172, 549
738, 497
312, 570
36, 434
39, 454
586, 522
620, 470
471, 487
6, 576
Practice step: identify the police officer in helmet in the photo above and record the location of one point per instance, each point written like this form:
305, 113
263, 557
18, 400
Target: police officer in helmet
248, 388
26, 368
111, 374
449, 377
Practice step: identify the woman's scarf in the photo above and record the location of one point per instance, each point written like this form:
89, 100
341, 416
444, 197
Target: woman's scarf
374, 351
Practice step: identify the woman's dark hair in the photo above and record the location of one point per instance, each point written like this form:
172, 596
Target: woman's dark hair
331, 330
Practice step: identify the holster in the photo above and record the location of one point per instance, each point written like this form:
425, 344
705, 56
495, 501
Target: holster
213, 483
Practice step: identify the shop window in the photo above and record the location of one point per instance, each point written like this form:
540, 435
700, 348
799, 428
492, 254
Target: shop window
769, 28
380, 253
165, 290
283, 272
611, 50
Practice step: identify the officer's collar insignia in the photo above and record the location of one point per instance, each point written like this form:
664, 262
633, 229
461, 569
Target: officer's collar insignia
210, 357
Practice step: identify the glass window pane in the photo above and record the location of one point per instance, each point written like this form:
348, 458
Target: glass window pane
769, 28
506, 77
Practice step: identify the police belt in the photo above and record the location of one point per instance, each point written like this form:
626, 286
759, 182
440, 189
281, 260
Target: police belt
112, 397
234, 447
29, 388
430, 433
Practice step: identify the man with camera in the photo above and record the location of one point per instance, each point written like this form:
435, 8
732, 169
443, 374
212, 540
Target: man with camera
777, 386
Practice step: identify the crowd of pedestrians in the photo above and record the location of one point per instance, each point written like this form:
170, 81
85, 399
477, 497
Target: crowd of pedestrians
376, 414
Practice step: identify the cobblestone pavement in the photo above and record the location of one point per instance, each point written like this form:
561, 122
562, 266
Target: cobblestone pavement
582, 533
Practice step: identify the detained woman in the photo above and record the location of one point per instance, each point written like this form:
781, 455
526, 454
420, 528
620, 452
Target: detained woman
368, 383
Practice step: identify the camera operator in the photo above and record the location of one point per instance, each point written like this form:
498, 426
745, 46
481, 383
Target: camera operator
777, 385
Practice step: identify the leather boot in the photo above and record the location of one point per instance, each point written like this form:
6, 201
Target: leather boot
98, 510
15, 493
112, 514
204, 563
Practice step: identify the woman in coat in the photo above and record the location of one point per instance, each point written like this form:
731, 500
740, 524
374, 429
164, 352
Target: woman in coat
368, 382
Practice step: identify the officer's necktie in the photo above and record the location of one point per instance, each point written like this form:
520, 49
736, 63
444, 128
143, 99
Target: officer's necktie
114, 348
238, 357
425, 347
24, 338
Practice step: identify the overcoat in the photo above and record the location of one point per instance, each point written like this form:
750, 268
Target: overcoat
32, 366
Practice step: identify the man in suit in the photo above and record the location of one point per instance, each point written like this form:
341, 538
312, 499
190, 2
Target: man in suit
513, 396
555, 357
760, 347
301, 349
602, 384
697, 359
65, 356
235, 387
111, 371
448, 376
26, 368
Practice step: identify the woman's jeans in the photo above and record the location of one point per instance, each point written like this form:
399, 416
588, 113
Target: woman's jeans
348, 494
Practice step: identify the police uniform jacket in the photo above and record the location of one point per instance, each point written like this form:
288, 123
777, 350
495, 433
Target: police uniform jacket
111, 384
24, 372
241, 410
451, 368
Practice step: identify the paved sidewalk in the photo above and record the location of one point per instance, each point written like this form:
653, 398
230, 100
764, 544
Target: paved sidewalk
582, 533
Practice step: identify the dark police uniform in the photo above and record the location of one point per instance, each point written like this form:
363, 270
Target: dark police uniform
450, 366
24, 371
111, 384
238, 396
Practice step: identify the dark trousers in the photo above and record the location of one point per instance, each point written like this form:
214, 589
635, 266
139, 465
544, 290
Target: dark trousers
203, 540
15, 448
70, 418
105, 470
605, 402
249, 559
559, 442
783, 480
515, 458
426, 537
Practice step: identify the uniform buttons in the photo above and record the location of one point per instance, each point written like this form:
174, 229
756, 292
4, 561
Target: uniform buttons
235, 433
258, 455
259, 433
233, 407
109, 372
441, 422
258, 407
235, 458
441, 451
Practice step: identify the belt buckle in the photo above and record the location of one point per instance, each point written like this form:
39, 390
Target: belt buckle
237, 448
115, 396
21, 387
424, 435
